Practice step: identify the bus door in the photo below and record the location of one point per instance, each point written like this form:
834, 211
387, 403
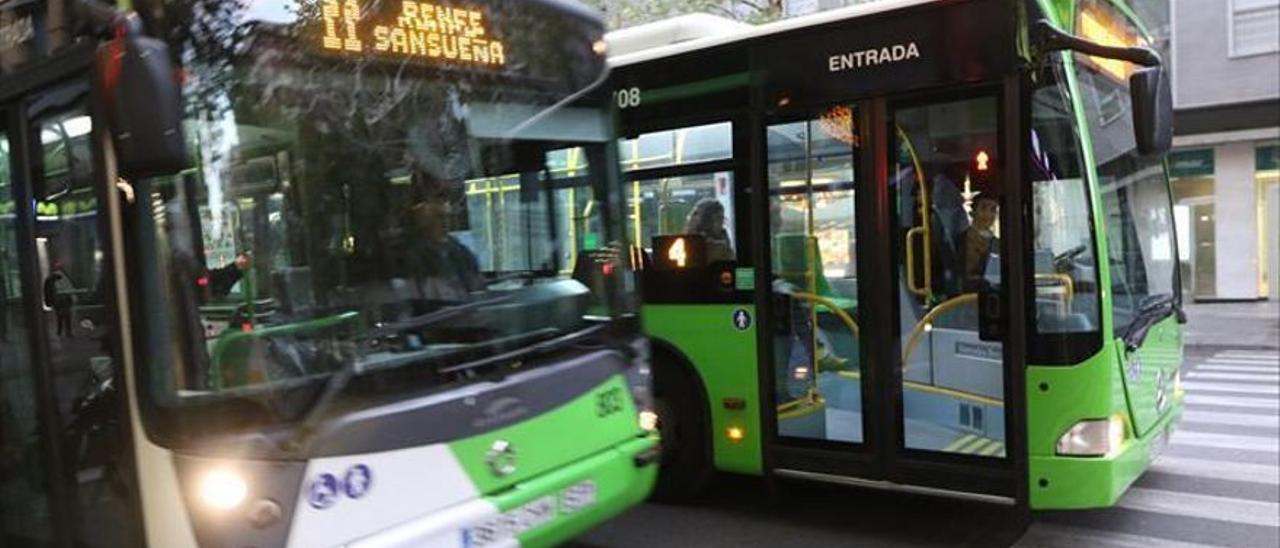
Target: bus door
885, 242
66, 477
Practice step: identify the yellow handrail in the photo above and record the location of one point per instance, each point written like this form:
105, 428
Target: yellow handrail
924, 216
912, 286
804, 405
928, 320
789, 409
1062, 279
835, 309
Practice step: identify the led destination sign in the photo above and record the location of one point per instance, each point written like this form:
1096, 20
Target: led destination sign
422, 31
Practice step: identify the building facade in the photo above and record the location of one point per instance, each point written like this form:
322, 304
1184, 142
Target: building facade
1226, 163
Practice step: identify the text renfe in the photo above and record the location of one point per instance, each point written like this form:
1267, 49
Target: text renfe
421, 30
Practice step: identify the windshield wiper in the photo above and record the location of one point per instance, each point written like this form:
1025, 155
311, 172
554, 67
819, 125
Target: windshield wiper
433, 317
336, 382
1151, 310
543, 347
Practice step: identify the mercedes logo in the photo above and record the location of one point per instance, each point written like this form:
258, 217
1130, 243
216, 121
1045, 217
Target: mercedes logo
501, 458
1162, 391
1135, 368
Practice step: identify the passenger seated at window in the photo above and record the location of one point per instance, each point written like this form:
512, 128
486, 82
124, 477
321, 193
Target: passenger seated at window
979, 241
707, 220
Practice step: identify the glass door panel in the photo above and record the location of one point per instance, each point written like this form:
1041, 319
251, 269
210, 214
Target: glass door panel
816, 365
25, 518
947, 248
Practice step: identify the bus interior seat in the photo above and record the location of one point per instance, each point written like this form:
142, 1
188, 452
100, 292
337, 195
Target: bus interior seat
292, 287
790, 264
1051, 319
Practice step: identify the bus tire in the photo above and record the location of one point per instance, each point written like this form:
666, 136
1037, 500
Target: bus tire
685, 468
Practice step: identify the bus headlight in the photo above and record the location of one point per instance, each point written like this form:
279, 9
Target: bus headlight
223, 489
1093, 438
648, 421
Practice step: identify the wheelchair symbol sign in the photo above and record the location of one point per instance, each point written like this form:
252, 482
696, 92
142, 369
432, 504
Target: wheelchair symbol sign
741, 319
325, 490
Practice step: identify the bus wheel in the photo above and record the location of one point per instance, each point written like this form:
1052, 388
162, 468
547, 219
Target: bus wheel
686, 456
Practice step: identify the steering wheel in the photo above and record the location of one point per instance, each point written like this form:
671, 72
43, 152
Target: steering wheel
1063, 260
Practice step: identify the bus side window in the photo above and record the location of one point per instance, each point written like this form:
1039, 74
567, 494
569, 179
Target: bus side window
681, 183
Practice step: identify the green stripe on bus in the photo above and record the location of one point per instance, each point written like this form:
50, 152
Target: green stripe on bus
694, 89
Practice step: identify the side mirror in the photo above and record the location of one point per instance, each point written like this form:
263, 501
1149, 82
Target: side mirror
1152, 98
137, 85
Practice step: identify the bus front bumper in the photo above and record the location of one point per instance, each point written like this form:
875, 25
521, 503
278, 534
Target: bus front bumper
1066, 483
543, 511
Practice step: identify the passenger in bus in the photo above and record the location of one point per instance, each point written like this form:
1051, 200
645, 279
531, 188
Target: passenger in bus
707, 219
979, 241
58, 296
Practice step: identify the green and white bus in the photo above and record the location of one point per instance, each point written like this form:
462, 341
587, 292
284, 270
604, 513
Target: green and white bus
248, 300
916, 245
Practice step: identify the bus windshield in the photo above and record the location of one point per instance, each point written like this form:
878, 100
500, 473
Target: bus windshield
396, 192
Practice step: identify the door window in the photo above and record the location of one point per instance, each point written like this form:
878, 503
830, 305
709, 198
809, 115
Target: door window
817, 374
948, 242
24, 498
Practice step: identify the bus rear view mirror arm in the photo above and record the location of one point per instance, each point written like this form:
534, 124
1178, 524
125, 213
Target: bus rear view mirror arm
1049, 38
1149, 86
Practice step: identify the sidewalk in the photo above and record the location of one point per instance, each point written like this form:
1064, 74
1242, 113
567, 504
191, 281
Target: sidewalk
1237, 325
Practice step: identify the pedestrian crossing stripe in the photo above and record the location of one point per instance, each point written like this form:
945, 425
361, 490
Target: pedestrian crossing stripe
1245, 354
972, 444
1234, 376
962, 440
995, 449
1251, 369
1266, 364
972, 447
1231, 387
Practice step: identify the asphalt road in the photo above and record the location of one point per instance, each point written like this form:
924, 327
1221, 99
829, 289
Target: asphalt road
1217, 484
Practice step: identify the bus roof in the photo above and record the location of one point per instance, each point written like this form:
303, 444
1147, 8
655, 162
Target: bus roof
671, 37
